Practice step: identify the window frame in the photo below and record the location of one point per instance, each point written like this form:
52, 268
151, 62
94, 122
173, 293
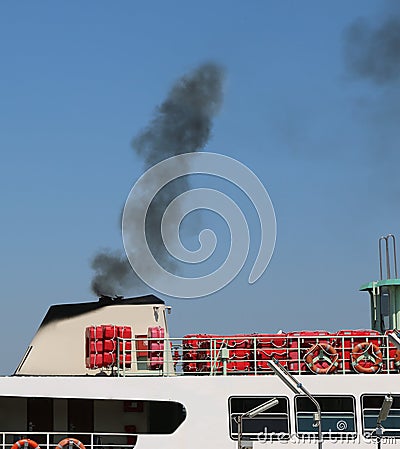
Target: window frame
344, 435
278, 436
370, 434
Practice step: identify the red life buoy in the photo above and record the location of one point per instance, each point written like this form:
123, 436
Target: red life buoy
366, 358
322, 358
70, 442
25, 443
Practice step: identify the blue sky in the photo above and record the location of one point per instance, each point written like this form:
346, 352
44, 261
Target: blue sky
79, 80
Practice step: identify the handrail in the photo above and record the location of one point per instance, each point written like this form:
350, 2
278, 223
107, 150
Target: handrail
95, 438
301, 353
387, 239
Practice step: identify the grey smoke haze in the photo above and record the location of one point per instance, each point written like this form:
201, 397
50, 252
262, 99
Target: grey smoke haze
181, 124
373, 52
372, 55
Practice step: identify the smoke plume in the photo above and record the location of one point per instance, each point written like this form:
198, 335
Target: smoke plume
373, 53
181, 124
116, 275
372, 57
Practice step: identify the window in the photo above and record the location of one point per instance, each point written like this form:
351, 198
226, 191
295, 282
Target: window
371, 406
337, 416
385, 301
80, 416
272, 424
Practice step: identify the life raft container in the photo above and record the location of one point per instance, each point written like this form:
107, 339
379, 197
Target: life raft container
25, 443
397, 360
70, 443
366, 358
322, 358
156, 336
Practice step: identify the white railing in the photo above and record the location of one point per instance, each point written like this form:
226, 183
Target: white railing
49, 440
319, 353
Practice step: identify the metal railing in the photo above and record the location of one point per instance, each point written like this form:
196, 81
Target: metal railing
49, 440
320, 353
390, 256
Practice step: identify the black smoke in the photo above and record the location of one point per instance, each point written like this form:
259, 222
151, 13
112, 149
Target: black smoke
181, 124
115, 277
372, 52
372, 59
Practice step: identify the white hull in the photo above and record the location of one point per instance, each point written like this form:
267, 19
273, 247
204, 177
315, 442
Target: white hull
206, 401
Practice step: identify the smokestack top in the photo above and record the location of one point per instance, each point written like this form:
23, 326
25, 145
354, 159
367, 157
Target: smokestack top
105, 299
63, 311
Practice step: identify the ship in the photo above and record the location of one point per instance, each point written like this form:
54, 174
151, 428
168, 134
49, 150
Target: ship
107, 374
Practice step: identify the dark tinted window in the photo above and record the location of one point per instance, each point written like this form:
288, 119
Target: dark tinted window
371, 406
76, 416
165, 417
337, 415
272, 424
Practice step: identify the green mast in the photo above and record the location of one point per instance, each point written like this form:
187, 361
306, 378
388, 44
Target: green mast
385, 293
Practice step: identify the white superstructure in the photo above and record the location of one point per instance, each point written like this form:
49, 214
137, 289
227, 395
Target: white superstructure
108, 374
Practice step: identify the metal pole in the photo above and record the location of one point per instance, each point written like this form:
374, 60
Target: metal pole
255, 355
318, 414
296, 385
391, 236
240, 430
118, 357
252, 414
315, 402
378, 433
224, 357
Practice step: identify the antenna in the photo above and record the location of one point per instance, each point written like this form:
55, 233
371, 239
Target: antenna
387, 239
